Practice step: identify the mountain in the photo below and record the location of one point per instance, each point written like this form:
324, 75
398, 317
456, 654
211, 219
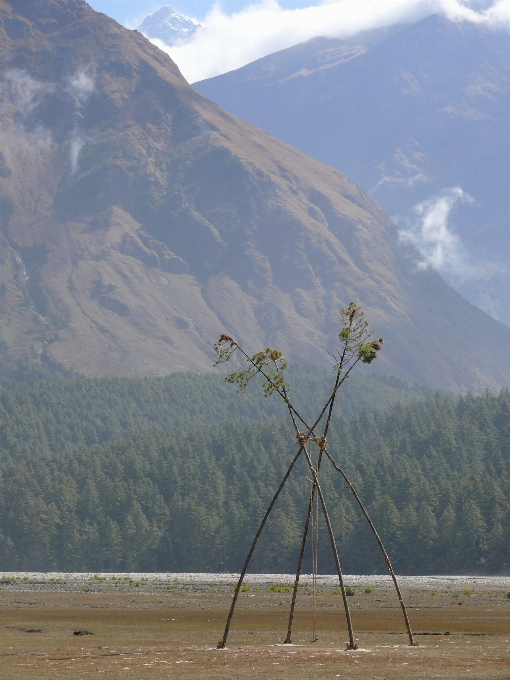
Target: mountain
139, 220
409, 116
167, 25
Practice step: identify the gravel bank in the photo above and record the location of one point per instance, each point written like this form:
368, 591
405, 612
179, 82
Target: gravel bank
143, 582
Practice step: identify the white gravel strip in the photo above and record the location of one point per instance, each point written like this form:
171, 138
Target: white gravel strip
407, 582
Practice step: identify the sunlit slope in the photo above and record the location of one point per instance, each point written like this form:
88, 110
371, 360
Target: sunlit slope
407, 116
139, 220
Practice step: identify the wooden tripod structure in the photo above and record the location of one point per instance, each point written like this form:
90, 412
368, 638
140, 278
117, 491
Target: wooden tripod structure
355, 345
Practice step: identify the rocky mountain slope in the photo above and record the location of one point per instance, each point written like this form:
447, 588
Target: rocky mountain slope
167, 25
139, 220
407, 117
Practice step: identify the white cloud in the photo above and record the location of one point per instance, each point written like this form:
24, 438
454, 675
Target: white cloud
498, 15
480, 281
81, 85
227, 41
432, 236
25, 90
26, 93
407, 182
76, 145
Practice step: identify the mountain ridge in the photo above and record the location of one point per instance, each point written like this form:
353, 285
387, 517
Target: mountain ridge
140, 220
411, 118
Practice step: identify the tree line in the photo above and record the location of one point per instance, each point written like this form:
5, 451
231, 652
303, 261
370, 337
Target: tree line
57, 415
433, 473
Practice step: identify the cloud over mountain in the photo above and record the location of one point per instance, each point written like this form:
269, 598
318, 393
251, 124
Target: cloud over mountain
227, 41
431, 232
409, 114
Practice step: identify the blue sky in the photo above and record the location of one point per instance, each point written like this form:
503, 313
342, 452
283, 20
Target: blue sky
131, 12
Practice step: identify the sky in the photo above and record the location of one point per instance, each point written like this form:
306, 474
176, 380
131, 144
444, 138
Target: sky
236, 32
131, 13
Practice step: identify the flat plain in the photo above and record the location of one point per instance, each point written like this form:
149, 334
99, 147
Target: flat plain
168, 625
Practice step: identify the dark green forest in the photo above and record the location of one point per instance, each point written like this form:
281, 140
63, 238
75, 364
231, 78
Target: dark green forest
79, 491
57, 415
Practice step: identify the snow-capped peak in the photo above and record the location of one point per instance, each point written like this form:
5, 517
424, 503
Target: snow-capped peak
168, 25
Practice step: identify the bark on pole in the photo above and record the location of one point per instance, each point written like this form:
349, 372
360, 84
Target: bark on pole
223, 641
288, 639
352, 644
412, 643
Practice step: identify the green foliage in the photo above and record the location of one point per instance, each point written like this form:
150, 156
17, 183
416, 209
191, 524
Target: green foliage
269, 364
6, 210
43, 417
78, 491
29, 369
368, 590
278, 588
349, 591
270, 316
216, 184
3, 345
356, 342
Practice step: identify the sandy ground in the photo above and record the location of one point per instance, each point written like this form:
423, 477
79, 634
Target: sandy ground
167, 626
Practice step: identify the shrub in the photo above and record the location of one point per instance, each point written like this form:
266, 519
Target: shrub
277, 588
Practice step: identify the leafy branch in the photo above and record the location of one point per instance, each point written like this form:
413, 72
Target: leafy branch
356, 344
270, 363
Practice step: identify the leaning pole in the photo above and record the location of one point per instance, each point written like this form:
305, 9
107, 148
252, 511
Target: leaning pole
355, 345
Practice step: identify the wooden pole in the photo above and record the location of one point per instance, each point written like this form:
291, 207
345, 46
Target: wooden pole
361, 337
223, 641
351, 644
412, 643
288, 639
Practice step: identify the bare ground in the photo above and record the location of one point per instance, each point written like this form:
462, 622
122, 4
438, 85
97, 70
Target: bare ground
166, 628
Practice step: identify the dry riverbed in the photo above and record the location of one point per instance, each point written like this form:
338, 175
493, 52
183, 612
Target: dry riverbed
168, 625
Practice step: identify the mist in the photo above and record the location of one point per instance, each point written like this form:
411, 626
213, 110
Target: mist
26, 93
228, 41
431, 233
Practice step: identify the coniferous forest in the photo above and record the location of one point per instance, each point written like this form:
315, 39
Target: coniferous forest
174, 474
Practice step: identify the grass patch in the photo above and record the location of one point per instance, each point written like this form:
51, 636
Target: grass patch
278, 588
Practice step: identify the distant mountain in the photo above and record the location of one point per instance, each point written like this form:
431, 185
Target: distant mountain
138, 220
408, 117
168, 25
